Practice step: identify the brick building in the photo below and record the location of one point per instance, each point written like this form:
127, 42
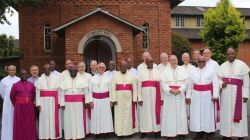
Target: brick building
98, 29
188, 20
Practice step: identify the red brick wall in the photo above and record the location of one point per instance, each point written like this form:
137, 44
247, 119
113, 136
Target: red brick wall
243, 53
57, 12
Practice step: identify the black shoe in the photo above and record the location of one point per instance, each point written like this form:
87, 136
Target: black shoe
226, 138
157, 135
242, 138
209, 136
198, 136
142, 135
181, 137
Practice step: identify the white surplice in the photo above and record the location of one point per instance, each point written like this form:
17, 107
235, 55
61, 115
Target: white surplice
74, 111
237, 70
7, 114
47, 104
147, 120
143, 66
202, 108
124, 98
174, 114
162, 67
101, 115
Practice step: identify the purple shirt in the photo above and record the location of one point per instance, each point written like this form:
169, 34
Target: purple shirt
32, 79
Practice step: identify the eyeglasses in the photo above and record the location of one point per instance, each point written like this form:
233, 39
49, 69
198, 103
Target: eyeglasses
201, 61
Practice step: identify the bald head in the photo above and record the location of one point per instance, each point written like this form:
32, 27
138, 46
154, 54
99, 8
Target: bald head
101, 67
207, 54
145, 56
164, 58
124, 66
111, 65
150, 63
185, 58
173, 61
68, 62
93, 66
231, 55
11, 70
81, 67
23, 75
130, 62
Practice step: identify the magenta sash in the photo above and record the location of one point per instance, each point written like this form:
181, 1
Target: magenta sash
24, 100
155, 84
55, 95
238, 103
78, 98
100, 95
209, 87
174, 87
128, 87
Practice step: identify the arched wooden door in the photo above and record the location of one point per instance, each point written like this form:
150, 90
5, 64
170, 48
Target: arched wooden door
99, 49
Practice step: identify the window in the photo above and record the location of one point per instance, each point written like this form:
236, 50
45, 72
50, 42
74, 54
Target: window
145, 36
199, 21
179, 21
47, 38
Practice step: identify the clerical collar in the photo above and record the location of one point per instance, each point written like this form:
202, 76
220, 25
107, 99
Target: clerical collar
174, 68
94, 72
11, 76
231, 62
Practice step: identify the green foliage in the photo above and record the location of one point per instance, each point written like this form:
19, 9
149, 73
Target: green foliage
7, 47
6, 4
223, 28
2, 73
180, 45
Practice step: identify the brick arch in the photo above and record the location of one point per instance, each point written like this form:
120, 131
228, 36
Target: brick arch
111, 36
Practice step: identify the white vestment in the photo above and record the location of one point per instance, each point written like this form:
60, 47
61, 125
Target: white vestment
188, 69
202, 108
123, 109
212, 64
75, 121
133, 71
174, 117
63, 75
101, 115
235, 70
161, 67
143, 66
7, 114
55, 72
86, 79
147, 121
110, 74
47, 114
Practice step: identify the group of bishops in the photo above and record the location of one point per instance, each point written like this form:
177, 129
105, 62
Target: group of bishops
166, 99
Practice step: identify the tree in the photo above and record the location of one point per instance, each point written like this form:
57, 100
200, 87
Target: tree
180, 45
223, 28
7, 47
5, 7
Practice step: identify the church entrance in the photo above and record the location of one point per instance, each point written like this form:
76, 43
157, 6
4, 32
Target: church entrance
99, 48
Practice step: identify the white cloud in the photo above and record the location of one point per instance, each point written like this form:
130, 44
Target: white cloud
236, 3
12, 29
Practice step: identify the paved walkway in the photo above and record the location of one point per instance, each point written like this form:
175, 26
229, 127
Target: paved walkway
149, 137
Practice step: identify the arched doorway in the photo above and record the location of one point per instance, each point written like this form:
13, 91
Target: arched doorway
99, 48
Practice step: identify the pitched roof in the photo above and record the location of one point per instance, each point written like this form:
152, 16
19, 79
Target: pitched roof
136, 28
193, 33
175, 3
199, 11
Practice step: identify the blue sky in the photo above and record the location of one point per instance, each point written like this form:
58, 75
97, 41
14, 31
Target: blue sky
13, 28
